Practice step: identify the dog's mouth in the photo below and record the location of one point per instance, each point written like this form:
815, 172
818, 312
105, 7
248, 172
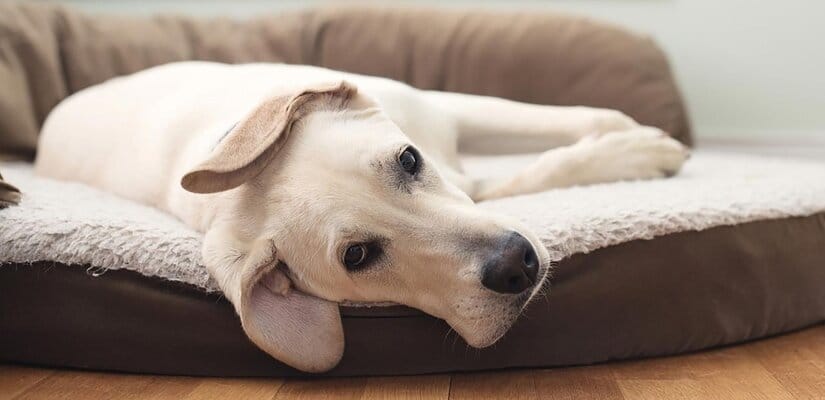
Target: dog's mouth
521, 302
490, 320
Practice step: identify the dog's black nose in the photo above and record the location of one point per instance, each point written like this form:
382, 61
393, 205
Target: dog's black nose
513, 266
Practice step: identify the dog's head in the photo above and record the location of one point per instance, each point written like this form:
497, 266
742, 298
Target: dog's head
332, 202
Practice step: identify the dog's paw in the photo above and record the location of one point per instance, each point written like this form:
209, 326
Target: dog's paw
638, 153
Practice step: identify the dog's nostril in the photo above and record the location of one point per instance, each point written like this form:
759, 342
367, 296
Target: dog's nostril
530, 258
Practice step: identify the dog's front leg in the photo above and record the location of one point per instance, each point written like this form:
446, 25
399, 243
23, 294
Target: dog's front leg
492, 125
638, 153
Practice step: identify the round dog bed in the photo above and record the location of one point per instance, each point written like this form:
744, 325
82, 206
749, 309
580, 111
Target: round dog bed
729, 250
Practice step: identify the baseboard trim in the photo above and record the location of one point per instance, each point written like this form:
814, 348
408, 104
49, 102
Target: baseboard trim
794, 147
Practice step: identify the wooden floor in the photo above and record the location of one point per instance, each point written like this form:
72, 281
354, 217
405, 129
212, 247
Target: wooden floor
786, 367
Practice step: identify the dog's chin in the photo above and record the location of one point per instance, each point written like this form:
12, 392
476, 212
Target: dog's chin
487, 337
486, 331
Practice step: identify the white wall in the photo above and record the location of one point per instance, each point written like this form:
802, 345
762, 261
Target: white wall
752, 68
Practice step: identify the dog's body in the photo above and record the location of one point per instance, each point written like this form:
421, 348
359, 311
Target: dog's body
297, 179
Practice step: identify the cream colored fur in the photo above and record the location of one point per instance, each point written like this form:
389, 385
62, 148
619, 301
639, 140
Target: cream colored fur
287, 165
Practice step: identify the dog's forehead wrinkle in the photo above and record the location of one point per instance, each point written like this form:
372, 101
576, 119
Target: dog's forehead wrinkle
348, 121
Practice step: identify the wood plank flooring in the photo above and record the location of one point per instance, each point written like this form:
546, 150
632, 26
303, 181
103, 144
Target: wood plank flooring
785, 367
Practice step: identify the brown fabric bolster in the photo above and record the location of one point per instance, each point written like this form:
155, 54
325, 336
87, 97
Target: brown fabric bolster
48, 52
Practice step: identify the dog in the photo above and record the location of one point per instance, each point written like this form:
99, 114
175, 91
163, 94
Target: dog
314, 187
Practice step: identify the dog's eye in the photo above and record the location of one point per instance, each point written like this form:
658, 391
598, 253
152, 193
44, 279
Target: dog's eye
409, 159
362, 255
355, 256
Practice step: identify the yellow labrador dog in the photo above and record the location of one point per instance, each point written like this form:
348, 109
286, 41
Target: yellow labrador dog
314, 186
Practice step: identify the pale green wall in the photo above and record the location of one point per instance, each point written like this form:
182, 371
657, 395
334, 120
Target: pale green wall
747, 67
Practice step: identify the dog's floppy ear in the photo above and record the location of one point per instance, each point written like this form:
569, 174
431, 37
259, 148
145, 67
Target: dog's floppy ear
251, 144
299, 330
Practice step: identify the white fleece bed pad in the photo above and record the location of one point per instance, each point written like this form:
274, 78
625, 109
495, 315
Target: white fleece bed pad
75, 224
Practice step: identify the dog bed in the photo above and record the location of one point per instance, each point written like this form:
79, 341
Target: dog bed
729, 250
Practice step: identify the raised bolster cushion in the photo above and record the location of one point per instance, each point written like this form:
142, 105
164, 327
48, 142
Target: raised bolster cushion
541, 58
47, 53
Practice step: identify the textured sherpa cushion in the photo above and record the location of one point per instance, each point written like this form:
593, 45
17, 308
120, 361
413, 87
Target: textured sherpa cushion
77, 225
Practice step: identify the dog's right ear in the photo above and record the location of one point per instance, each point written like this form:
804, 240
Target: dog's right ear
296, 328
253, 142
